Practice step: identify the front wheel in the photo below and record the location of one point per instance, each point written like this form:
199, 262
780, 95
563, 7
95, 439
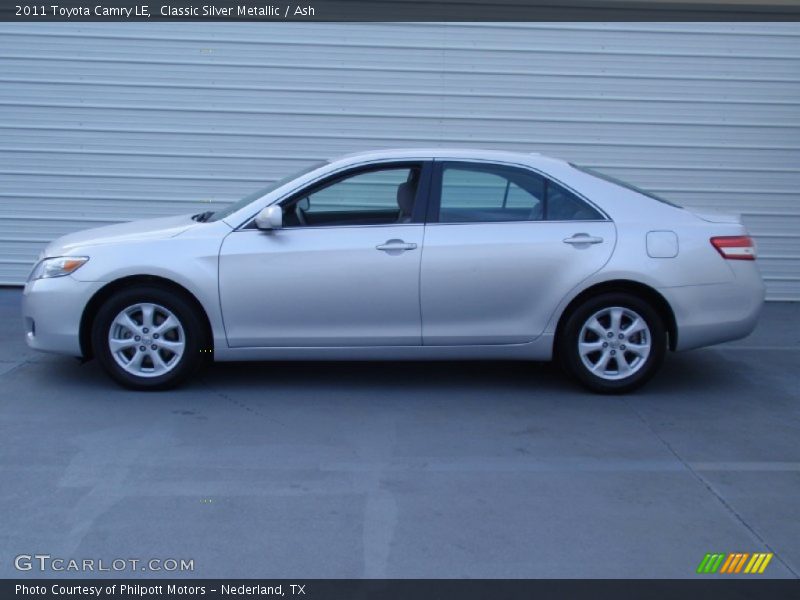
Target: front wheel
148, 338
613, 343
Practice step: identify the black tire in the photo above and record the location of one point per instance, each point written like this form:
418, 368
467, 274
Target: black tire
195, 351
570, 356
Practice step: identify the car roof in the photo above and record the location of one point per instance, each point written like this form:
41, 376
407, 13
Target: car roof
527, 158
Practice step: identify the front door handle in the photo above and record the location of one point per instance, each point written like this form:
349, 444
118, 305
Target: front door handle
395, 246
582, 238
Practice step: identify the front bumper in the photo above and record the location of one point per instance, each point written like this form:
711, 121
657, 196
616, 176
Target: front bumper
52, 310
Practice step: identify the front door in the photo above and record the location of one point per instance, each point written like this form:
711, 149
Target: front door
343, 271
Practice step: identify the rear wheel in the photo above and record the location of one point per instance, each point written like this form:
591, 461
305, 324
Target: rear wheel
148, 338
613, 343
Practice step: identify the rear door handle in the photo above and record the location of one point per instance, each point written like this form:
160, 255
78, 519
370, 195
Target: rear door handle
396, 246
583, 238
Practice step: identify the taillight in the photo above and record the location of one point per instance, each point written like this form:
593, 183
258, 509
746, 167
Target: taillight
735, 247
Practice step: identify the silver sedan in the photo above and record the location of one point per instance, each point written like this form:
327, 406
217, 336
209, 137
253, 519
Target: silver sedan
404, 254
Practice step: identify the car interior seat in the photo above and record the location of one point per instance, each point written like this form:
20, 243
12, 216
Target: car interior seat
406, 193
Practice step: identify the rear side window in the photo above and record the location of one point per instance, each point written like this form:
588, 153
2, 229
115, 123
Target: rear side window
478, 193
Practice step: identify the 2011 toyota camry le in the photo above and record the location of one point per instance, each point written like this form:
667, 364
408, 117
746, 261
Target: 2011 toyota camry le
404, 254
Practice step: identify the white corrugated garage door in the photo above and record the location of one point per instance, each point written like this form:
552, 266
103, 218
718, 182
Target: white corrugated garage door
106, 122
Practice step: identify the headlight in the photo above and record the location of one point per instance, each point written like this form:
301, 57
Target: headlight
57, 267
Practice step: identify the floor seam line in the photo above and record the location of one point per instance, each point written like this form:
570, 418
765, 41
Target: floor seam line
710, 488
17, 365
239, 404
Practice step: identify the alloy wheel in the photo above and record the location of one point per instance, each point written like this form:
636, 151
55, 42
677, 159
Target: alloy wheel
146, 340
614, 343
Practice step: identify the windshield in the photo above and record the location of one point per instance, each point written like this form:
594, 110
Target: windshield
624, 184
234, 206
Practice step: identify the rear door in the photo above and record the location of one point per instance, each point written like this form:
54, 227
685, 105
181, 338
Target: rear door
503, 246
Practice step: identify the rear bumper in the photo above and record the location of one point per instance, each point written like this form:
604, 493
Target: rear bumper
52, 310
715, 313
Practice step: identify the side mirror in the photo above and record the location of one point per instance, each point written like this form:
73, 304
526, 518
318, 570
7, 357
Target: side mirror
270, 218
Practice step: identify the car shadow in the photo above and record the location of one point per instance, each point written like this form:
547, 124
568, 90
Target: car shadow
682, 373
391, 374
693, 371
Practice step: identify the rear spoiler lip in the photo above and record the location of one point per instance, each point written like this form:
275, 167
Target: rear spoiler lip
717, 217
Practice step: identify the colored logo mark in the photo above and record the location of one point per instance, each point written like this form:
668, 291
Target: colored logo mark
735, 562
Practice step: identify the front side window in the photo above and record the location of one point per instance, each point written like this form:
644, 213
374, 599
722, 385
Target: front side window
474, 193
379, 196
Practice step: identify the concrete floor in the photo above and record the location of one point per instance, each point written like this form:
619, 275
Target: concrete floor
406, 469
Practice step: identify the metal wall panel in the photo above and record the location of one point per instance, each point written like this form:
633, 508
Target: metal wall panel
103, 122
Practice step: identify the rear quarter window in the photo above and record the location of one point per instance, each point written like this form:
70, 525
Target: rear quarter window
624, 184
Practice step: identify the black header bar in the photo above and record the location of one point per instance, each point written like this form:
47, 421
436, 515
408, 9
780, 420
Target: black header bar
399, 10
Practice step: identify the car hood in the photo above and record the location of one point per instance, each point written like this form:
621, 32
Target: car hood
148, 229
